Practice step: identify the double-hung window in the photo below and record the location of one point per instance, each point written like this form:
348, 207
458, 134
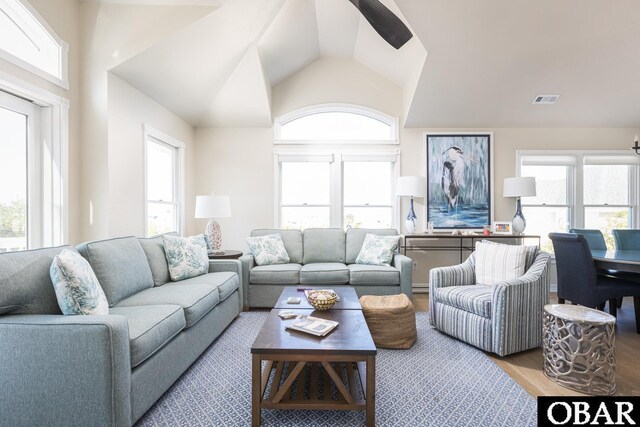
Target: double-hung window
164, 180
580, 189
335, 181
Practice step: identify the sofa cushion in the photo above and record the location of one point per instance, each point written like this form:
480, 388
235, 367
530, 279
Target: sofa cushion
497, 262
355, 238
281, 274
225, 281
362, 274
25, 282
292, 240
268, 250
324, 273
120, 266
475, 299
154, 250
377, 250
186, 256
77, 288
150, 328
323, 245
196, 299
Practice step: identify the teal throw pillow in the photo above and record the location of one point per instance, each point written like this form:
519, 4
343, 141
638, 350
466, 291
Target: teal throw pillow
186, 256
268, 250
377, 250
76, 285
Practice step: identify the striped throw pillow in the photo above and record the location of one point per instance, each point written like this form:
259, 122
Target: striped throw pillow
497, 262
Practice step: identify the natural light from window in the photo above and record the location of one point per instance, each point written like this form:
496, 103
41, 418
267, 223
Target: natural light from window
162, 206
306, 194
367, 194
24, 37
13, 181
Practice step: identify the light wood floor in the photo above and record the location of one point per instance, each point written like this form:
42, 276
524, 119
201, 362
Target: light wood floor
526, 367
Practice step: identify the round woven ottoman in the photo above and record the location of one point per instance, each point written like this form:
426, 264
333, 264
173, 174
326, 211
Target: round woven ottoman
391, 320
578, 348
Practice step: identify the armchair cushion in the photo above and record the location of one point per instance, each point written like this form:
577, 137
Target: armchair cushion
475, 299
497, 262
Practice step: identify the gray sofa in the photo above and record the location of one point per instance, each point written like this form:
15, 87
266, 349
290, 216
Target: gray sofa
323, 257
105, 370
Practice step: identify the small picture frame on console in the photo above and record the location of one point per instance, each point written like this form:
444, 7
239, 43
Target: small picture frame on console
502, 227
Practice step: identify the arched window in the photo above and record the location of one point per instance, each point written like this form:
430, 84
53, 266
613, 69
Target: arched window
332, 124
336, 181
27, 41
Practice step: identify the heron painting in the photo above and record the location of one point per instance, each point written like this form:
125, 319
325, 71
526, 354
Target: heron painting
458, 179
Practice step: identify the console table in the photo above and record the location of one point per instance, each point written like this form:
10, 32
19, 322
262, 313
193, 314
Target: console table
458, 243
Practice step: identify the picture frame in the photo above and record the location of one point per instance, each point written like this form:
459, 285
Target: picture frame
459, 170
502, 227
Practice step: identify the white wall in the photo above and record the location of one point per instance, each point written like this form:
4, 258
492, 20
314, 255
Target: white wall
128, 110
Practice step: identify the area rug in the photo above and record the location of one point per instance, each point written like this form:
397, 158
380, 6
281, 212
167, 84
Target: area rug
440, 381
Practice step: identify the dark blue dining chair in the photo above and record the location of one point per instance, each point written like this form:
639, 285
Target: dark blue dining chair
579, 282
593, 237
627, 239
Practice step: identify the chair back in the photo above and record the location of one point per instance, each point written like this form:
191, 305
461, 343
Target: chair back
575, 267
627, 239
594, 238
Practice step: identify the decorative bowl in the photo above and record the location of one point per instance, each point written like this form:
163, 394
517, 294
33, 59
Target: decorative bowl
322, 300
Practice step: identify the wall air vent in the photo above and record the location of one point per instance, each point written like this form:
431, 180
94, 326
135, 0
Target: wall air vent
545, 99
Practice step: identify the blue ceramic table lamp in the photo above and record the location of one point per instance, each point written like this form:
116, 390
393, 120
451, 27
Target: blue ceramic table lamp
519, 187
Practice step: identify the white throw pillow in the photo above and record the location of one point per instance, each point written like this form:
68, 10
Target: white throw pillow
186, 256
268, 250
76, 285
377, 250
496, 262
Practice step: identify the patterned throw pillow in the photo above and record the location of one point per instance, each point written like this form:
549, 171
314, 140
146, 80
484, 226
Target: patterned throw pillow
186, 256
268, 250
496, 262
76, 285
377, 250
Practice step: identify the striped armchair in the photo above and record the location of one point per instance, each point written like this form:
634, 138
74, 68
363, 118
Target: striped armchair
504, 318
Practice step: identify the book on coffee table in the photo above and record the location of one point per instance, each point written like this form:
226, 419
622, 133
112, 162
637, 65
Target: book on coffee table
313, 325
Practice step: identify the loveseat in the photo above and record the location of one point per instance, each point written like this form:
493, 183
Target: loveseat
323, 257
105, 369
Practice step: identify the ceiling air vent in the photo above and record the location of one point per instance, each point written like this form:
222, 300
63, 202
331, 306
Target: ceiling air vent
545, 99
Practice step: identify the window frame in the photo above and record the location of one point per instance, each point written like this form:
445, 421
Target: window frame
281, 121
575, 180
63, 51
150, 134
52, 207
336, 160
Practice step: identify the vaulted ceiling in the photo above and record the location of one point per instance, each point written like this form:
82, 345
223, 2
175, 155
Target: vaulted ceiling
486, 60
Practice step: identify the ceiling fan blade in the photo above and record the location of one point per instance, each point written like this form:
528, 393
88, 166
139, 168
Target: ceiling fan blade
385, 22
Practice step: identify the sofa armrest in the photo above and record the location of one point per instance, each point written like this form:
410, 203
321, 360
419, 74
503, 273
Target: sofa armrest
405, 265
517, 309
233, 266
65, 370
247, 264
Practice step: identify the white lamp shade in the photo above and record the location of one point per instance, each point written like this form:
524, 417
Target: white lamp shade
519, 187
415, 186
213, 206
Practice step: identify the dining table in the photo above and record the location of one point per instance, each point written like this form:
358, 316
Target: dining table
624, 260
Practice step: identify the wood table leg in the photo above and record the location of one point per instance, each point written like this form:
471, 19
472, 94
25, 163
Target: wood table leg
256, 383
370, 393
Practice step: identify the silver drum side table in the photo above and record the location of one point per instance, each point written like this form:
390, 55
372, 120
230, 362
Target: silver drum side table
578, 348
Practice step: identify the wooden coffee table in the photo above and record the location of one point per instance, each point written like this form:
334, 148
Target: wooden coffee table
348, 298
301, 356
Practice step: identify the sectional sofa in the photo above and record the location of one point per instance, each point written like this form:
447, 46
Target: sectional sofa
105, 370
323, 257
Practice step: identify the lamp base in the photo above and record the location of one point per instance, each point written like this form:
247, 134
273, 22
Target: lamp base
214, 234
518, 224
410, 223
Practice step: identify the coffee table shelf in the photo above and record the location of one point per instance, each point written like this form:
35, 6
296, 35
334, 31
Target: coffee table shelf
290, 357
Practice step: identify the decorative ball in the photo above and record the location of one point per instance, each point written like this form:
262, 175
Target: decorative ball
322, 300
